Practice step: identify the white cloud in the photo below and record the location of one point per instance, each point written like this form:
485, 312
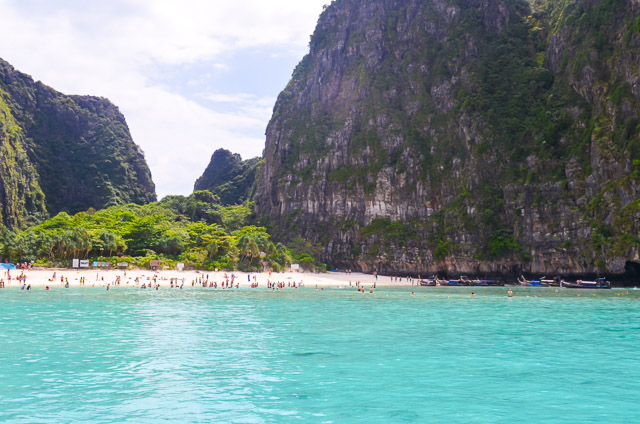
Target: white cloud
177, 161
250, 104
117, 49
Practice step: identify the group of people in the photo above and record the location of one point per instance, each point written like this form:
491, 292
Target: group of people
279, 285
203, 281
357, 285
22, 278
361, 289
398, 279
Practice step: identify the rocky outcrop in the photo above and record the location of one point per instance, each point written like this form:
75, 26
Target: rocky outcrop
73, 152
229, 177
462, 136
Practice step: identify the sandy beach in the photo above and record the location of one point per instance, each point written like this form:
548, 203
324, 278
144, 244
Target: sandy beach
39, 277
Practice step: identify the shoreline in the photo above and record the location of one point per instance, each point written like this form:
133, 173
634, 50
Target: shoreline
40, 277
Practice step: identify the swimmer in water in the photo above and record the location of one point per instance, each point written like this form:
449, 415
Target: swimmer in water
510, 293
473, 295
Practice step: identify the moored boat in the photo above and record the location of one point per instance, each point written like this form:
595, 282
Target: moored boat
486, 283
599, 283
428, 283
462, 281
535, 283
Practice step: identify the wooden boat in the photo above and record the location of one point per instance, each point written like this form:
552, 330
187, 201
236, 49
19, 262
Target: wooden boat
486, 283
450, 283
600, 283
535, 283
462, 281
429, 282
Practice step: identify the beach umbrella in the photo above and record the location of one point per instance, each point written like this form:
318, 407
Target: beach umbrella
7, 266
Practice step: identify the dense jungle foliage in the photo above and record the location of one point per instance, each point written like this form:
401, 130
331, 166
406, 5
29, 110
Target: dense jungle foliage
196, 230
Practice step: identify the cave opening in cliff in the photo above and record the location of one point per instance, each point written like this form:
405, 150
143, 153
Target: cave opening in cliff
632, 270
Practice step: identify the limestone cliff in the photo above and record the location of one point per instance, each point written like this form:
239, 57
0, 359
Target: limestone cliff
229, 177
69, 153
21, 198
467, 136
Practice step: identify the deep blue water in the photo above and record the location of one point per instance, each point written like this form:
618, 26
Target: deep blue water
254, 356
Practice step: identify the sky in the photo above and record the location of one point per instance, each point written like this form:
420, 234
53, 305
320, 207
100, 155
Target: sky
190, 76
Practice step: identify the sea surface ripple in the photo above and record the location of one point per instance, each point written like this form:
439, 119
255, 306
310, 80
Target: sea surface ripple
330, 356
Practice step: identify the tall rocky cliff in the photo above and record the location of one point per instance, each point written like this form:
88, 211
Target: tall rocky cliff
63, 153
229, 177
466, 136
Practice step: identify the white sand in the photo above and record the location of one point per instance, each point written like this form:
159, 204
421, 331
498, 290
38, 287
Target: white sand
42, 277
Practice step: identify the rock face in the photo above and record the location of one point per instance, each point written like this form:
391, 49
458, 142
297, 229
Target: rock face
464, 136
63, 153
229, 177
21, 198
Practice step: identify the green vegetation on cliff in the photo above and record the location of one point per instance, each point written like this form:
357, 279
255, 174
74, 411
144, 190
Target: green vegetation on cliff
21, 199
69, 153
229, 177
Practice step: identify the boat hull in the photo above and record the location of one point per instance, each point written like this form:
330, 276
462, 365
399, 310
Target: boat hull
580, 286
600, 283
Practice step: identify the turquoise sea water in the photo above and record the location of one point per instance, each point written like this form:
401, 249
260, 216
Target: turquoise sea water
85, 355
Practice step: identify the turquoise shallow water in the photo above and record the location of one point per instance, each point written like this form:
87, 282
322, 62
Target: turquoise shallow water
253, 356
